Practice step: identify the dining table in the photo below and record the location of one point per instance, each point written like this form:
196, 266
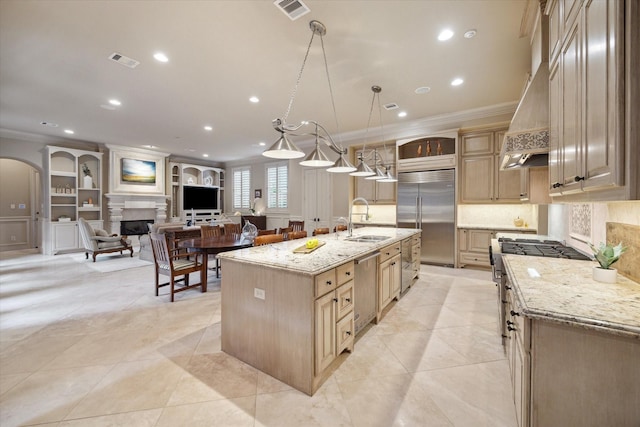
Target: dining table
215, 245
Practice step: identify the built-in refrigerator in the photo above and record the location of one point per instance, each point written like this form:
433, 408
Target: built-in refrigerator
426, 200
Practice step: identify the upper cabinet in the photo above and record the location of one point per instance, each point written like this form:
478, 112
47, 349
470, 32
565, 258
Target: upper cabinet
373, 191
593, 95
481, 180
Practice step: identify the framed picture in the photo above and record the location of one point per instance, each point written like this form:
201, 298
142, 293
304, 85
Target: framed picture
138, 171
257, 194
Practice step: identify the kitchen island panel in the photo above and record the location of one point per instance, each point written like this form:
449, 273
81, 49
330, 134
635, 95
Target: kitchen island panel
274, 335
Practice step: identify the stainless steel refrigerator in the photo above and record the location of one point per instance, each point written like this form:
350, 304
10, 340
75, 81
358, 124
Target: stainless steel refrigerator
426, 200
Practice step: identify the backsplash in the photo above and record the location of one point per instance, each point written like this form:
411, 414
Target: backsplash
629, 263
497, 215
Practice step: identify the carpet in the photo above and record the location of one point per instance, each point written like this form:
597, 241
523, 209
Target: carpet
107, 263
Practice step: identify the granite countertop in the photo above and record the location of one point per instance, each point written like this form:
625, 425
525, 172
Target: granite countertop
497, 227
566, 292
334, 252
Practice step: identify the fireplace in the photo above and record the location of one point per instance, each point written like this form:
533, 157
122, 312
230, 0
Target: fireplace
136, 227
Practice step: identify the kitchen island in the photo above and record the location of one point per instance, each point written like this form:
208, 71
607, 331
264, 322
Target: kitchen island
291, 314
573, 344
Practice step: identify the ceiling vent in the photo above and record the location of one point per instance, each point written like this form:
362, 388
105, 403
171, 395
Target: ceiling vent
391, 106
123, 60
294, 9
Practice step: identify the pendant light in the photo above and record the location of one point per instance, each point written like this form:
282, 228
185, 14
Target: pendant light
284, 148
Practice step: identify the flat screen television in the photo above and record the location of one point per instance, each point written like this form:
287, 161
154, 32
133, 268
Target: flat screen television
199, 198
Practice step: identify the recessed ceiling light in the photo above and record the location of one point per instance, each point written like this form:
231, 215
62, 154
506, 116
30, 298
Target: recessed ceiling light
69, 131
402, 114
52, 125
423, 89
149, 146
254, 99
262, 144
160, 57
445, 34
205, 155
457, 82
470, 34
208, 128
115, 102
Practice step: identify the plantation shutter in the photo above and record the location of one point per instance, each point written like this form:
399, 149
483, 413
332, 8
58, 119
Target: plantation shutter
241, 188
277, 186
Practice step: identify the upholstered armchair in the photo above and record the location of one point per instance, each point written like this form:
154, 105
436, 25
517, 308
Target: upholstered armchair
100, 242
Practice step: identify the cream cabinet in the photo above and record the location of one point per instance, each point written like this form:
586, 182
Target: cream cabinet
481, 180
188, 182
334, 321
416, 247
590, 148
473, 245
518, 349
389, 276
373, 191
74, 191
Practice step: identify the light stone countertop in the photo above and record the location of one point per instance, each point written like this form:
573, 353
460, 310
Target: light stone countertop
335, 252
566, 292
497, 227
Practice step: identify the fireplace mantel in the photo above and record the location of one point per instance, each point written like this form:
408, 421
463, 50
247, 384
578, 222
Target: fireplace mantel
128, 206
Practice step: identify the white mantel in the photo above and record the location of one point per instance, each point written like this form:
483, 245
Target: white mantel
122, 206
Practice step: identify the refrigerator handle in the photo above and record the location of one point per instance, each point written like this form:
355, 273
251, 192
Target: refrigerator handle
417, 211
420, 225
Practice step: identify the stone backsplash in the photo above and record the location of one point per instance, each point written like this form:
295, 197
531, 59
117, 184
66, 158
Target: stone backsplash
629, 235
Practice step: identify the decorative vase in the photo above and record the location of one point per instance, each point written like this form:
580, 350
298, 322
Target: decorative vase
605, 275
249, 231
87, 182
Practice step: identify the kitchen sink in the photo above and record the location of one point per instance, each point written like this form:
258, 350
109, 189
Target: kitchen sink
370, 238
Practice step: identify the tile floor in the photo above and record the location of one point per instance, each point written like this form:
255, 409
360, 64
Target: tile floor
84, 348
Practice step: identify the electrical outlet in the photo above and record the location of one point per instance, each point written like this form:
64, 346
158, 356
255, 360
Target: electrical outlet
22, 206
13, 205
258, 293
13, 238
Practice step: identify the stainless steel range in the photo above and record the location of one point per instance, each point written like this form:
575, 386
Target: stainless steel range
528, 245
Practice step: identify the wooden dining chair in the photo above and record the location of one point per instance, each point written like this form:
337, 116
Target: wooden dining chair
340, 227
322, 230
285, 231
296, 225
296, 235
212, 231
267, 239
266, 232
230, 229
170, 262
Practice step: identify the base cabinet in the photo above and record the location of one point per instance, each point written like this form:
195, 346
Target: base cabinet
473, 245
566, 375
389, 276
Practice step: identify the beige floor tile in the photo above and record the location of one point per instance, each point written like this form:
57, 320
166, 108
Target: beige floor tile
48, 396
477, 343
131, 386
391, 400
9, 381
32, 353
237, 412
371, 357
211, 340
213, 377
268, 384
294, 409
476, 395
422, 350
138, 419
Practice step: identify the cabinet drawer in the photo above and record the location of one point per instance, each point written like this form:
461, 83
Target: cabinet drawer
474, 259
344, 273
389, 252
416, 240
344, 333
344, 294
325, 282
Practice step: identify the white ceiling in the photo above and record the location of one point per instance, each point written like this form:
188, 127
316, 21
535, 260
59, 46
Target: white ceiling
54, 67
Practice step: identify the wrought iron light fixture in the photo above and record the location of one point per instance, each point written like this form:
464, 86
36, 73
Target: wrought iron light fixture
382, 172
284, 148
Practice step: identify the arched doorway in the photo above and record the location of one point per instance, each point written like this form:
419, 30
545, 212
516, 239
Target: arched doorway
20, 206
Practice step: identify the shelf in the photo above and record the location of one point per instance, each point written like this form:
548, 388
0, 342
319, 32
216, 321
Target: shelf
62, 204
83, 209
63, 173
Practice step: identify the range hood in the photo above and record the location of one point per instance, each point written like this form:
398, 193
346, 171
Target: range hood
526, 143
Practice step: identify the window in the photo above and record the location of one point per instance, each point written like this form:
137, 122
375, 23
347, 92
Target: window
241, 187
277, 185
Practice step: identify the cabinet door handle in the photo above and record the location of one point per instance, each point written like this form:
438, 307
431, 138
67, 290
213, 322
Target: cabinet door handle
348, 273
514, 313
347, 299
328, 282
509, 322
511, 328
557, 184
504, 302
335, 300
348, 332
578, 178
507, 287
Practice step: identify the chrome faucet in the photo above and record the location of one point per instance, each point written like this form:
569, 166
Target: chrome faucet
350, 224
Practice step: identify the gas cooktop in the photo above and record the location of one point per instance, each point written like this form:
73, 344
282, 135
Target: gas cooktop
545, 248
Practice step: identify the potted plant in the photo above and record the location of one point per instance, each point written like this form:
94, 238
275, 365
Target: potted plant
606, 255
88, 178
